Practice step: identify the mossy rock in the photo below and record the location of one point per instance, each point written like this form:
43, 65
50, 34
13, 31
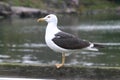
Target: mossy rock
5, 10
69, 72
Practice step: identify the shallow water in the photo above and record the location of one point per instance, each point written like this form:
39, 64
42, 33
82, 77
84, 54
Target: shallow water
22, 41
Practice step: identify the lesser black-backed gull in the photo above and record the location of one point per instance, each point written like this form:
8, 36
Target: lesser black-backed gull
63, 42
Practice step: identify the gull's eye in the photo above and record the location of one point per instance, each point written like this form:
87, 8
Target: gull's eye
48, 17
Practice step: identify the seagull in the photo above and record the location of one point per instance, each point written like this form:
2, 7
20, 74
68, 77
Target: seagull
63, 42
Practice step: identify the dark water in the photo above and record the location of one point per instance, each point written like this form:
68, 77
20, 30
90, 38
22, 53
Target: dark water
22, 41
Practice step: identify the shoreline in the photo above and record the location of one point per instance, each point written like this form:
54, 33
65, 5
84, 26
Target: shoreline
29, 12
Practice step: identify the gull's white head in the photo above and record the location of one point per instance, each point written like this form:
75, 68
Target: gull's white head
49, 18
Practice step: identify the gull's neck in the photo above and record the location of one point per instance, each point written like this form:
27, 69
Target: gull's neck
52, 28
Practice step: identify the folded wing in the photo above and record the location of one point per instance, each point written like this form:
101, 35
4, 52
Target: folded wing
69, 41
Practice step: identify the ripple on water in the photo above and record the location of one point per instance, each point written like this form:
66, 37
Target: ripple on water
97, 27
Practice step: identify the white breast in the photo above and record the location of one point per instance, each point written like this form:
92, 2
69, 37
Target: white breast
51, 30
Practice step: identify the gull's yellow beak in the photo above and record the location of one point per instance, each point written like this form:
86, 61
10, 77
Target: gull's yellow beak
40, 19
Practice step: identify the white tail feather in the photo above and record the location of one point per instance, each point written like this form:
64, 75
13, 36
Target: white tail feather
91, 47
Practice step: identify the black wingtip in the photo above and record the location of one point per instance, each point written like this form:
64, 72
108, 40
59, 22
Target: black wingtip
99, 46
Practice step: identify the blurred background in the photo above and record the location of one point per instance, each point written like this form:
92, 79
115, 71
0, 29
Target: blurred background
22, 38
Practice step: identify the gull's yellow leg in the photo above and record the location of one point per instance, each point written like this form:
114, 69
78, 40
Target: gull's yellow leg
63, 61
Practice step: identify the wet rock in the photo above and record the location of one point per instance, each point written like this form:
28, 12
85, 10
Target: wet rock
64, 73
24, 12
5, 10
67, 11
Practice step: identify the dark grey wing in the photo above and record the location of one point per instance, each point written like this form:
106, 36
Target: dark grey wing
69, 41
